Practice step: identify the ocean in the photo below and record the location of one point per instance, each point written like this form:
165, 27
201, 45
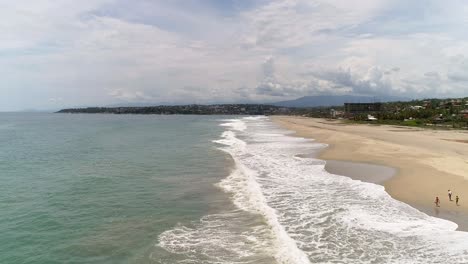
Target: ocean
77, 188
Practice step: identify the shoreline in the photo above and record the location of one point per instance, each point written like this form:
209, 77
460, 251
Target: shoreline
427, 163
365, 172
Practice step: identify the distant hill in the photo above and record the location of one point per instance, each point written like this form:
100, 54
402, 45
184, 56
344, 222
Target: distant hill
218, 109
336, 100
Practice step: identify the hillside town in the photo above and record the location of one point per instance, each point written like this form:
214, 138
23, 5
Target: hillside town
449, 113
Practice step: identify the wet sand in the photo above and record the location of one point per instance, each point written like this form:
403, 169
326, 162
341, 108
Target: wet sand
377, 174
426, 162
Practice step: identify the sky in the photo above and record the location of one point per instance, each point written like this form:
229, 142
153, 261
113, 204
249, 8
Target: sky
67, 53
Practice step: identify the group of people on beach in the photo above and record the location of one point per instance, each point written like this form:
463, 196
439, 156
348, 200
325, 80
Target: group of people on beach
437, 200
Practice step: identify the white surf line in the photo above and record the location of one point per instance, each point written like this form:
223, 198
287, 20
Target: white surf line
288, 252
286, 247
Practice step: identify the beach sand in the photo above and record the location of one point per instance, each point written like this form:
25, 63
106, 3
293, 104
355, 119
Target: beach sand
377, 174
427, 162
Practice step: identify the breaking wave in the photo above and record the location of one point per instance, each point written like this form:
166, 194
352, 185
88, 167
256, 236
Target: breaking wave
288, 209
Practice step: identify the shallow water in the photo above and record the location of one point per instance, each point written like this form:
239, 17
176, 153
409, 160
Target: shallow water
195, 189
101, 188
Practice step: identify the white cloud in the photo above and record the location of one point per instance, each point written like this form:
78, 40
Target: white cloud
87, 53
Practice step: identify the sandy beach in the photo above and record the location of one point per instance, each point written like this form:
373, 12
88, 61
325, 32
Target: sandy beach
428, 162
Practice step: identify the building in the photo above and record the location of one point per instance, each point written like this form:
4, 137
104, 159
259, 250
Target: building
335, 113
417, 107
360, 108
464, 113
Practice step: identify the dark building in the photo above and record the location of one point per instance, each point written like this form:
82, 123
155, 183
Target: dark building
359, 108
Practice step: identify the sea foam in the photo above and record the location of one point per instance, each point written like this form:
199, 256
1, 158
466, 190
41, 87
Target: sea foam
310, 215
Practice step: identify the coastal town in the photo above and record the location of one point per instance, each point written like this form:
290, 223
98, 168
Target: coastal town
448, 113
441, 113
193, 109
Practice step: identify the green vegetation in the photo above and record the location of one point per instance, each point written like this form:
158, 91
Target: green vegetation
218, 109
437, 113
445, 113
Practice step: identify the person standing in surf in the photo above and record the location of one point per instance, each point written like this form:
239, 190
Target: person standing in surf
450, 195
437, 201
456, 200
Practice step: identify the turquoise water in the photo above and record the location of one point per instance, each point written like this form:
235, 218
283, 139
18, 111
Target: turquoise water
101, 188
195, 189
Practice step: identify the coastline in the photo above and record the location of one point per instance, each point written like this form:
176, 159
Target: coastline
428, 162
366, 172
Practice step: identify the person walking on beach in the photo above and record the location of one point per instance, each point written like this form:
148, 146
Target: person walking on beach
437, 201
456, 200
450, 195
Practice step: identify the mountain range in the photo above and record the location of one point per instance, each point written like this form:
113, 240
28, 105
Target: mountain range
336, 100
306, 101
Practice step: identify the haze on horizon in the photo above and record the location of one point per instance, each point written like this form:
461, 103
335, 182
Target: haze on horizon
56, 54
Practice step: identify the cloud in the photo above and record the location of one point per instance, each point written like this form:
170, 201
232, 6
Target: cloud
100, 52
130, 95
268, 67
374, 81
271, 89
55, 100
458, 77
432, 74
